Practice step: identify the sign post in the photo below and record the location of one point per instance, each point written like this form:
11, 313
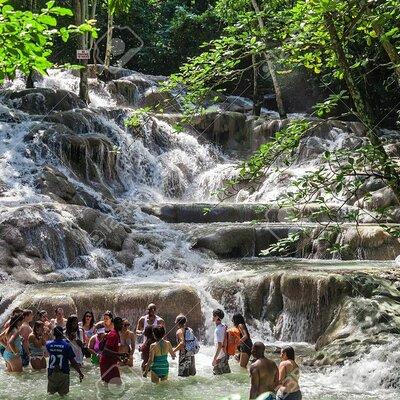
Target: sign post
83, 54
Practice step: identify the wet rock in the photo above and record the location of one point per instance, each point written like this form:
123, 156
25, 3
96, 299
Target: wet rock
104, 230
369, 243
123, 298
49, 243
160, 101
225, 129
125, 91
379, 199
205, 213
42, 100
297, 307
91, 158
234, 241
12, 236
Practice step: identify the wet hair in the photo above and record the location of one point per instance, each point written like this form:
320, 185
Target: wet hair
41, 313
36, 326
110, 314
118, 321
17, 310
69, 327
289, 351
238, 319
149, 332
159, 332
14, 321
58, 308
58, 332
180, 320
25, 313
91, 321
218, 313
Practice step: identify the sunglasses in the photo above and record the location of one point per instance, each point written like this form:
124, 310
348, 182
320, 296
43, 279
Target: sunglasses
88, 316
127, 324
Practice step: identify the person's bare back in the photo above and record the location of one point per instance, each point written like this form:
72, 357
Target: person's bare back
263, 372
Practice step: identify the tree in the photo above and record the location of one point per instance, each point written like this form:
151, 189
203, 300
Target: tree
26, 38
237, 52
271, 67
113, 6
334, 39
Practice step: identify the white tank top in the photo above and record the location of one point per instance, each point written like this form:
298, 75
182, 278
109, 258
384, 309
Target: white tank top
154, 324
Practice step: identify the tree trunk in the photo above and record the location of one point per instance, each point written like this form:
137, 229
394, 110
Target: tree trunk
363, 108
110, 21
29, 81
271, 67
93, 16
256, 92
80, 17
389, 48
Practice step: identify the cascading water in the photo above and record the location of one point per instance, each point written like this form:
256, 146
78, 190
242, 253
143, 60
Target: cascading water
72, 188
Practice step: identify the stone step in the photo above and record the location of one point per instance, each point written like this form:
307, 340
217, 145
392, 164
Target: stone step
199, 213
237, 240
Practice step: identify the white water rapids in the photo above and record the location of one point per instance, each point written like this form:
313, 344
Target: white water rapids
158, 165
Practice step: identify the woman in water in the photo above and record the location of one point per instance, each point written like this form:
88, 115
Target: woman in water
158, 359
13, 341
184, 337
108, 321
289, 374
94, 345
76, 337
43, 317
37, 346
87, 324
245, 341
127, 343
145, 347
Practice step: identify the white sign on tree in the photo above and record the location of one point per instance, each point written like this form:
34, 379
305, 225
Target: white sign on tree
83, 54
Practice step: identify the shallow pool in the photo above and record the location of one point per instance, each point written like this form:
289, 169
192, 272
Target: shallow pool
316, 385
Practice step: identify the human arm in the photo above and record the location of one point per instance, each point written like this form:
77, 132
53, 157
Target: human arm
255, 382
281, 376
276, 380
150, 361
133, 341
11, 342
140, 326
92, 342
217, 352
243, 331
171, 351
77, 368
181, 340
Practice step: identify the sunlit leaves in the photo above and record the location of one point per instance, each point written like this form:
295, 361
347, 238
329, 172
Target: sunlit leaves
26, 38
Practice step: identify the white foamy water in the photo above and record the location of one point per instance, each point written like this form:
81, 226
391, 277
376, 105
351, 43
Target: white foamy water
156, 164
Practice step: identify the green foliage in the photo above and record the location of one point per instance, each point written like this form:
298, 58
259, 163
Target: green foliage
136, 119
26, 38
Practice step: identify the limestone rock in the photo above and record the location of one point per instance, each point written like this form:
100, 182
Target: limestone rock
122, 297
42, 100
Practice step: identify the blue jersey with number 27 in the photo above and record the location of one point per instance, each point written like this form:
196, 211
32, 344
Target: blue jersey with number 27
61, 354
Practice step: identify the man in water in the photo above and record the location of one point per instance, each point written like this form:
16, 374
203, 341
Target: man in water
264, 375
110, 356
151, 318
59, 320
61, 356
221, 359
25, 331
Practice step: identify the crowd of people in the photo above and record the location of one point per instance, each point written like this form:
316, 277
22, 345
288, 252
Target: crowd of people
110, 344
